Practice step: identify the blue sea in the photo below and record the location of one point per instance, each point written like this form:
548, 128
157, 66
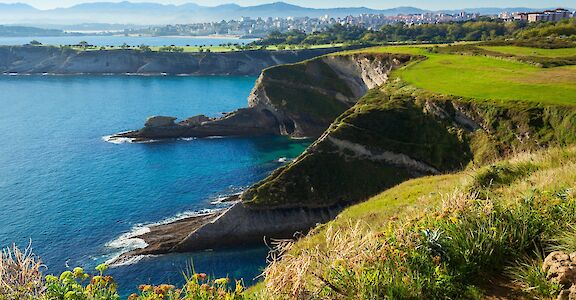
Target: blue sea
119, 40
78, 197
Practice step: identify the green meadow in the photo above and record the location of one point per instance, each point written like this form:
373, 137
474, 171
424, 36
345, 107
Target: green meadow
489, 78
527, 51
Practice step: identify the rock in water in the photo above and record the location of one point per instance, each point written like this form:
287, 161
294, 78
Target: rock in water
160, 121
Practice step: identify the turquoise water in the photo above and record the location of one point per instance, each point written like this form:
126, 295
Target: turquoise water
120, 40
72, 193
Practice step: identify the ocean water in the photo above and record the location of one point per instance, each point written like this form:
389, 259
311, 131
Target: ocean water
118, 40
75, 195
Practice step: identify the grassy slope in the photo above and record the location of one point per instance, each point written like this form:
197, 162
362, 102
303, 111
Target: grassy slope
545, 177
528, 51
490, 78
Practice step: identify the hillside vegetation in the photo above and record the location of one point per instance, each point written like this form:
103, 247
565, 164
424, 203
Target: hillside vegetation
452, 107
459, 236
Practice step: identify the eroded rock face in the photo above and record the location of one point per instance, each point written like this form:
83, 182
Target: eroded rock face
560, 268
54, 60
160, 121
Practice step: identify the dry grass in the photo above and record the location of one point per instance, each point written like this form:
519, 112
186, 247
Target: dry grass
438, 248
20, 274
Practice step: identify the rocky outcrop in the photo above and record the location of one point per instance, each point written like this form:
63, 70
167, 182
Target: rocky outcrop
54, 60
234, 227
299, 100
160, 121
560, 268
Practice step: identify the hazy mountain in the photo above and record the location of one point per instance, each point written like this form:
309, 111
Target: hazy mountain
158, 14
154, 13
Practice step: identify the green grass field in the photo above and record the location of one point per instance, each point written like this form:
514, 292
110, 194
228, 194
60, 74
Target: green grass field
526, 51
216, 48
489, 78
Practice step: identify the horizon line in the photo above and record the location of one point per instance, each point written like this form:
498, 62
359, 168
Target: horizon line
272, 2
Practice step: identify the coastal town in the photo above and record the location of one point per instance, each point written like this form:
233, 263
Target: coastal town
259, 27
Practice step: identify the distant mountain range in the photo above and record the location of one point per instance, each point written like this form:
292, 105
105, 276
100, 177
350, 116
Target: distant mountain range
159, 14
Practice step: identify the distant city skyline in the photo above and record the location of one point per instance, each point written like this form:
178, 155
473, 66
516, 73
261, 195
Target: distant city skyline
377, 4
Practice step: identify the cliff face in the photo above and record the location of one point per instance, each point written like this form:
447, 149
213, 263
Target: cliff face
306, 97
297, 100
398, 132
53, 60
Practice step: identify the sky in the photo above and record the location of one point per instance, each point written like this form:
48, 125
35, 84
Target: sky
429, 4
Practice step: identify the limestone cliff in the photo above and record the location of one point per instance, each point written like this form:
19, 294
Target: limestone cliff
398, 132
297, 100
54, 60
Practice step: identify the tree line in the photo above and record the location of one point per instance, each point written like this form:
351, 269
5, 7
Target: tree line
484, 29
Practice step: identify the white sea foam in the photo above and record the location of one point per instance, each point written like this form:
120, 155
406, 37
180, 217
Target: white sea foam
220, 199
117, 140
127, 261
124, 140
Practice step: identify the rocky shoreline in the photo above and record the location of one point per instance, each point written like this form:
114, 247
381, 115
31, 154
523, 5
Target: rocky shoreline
233, 227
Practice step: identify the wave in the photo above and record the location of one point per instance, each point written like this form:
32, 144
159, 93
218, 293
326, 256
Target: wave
119, 262
124, 140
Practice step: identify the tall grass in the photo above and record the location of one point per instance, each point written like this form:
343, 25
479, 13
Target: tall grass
20, 274
479, 231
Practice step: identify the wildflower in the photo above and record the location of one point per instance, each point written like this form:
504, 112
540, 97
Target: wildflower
101, 268
221, 281
145, 288
66, 275
239, 287
437, 260
96, 279
133, 297
454, 219
204, 287
200, 276
78, 272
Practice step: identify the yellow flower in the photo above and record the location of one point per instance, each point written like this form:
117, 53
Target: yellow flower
101, 268
133, 297
454, 219
96, 279
221, 281
78, 272
145, 288
239, 287
65, 275
200, 276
